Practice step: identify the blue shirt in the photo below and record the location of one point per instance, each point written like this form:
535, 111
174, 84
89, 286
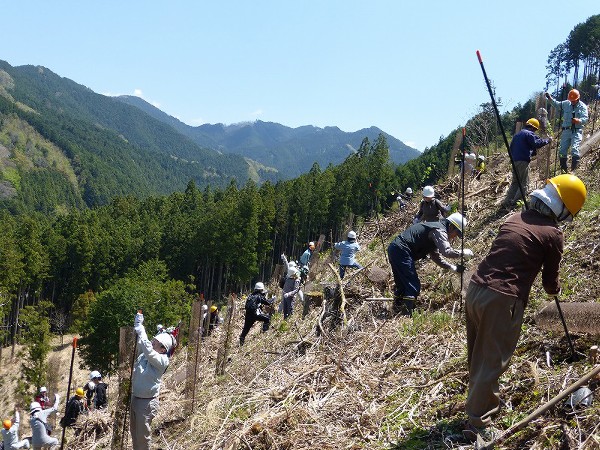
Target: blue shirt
305, 258
524, 145
348, 250
580, 109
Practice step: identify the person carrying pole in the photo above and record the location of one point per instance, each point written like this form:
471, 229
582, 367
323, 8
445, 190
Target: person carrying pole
415, 243
148, 369
10, 433
574, 117
527, 243
523, 146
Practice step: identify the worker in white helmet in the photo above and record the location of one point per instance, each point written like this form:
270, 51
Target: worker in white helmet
417, 242
430, 208
348, 249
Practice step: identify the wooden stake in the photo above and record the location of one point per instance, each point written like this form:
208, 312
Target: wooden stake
192, 353
127, 341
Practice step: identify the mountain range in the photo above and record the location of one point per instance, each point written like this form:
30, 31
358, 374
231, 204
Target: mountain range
292, 151
63, 145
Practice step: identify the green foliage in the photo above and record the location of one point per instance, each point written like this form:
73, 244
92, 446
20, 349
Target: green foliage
147, 287
36, 340
580, 49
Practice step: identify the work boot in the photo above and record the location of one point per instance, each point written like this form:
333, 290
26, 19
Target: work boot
563, 165
574, 162
404, 305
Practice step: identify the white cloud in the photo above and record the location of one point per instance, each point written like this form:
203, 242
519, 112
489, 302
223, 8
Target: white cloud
257, 113
138, 93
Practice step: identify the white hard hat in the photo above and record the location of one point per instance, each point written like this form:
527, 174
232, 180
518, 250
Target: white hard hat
34, 406
293, 272
458, 221
260, 287
166, 339
408, 190
43, 389
95, 374
205, 307
481, 157
311, 244
428, 191
292, 264
351, 235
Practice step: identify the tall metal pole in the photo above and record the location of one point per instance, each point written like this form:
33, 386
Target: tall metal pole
512, 162
62, 439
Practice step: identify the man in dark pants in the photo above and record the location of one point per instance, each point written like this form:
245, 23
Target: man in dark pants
527, 243
253, 312
416, 242
524, 145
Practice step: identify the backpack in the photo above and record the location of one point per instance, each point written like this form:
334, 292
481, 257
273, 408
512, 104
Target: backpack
282, 281
251, 303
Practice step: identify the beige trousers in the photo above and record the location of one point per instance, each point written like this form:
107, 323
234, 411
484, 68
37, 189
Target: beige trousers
493, 328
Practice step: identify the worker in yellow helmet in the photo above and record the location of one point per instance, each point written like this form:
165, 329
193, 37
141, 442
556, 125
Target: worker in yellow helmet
524, 145
527, 243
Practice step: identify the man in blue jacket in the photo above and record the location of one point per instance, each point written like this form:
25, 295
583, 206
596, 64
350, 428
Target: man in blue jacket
574, 117
524, 145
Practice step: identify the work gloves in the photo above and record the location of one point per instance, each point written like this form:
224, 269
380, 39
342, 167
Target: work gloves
459, 268
467, 253
138, 325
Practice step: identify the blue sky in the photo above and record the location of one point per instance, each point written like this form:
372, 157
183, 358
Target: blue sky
408, 68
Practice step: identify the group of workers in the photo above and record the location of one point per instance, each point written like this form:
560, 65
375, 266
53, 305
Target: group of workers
528, 242
92, 396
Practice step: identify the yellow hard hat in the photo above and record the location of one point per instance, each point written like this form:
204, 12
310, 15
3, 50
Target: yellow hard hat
213, 308
573, 95
6, 423
79, 392
534, 123
572, 191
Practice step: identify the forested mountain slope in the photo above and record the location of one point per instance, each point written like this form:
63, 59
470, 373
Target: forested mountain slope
292, 151
112, 148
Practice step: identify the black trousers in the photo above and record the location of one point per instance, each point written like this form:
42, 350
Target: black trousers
250, 320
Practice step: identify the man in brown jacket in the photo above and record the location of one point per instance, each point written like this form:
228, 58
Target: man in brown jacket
527, 243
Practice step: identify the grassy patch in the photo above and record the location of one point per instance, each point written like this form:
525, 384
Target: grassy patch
430, 323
